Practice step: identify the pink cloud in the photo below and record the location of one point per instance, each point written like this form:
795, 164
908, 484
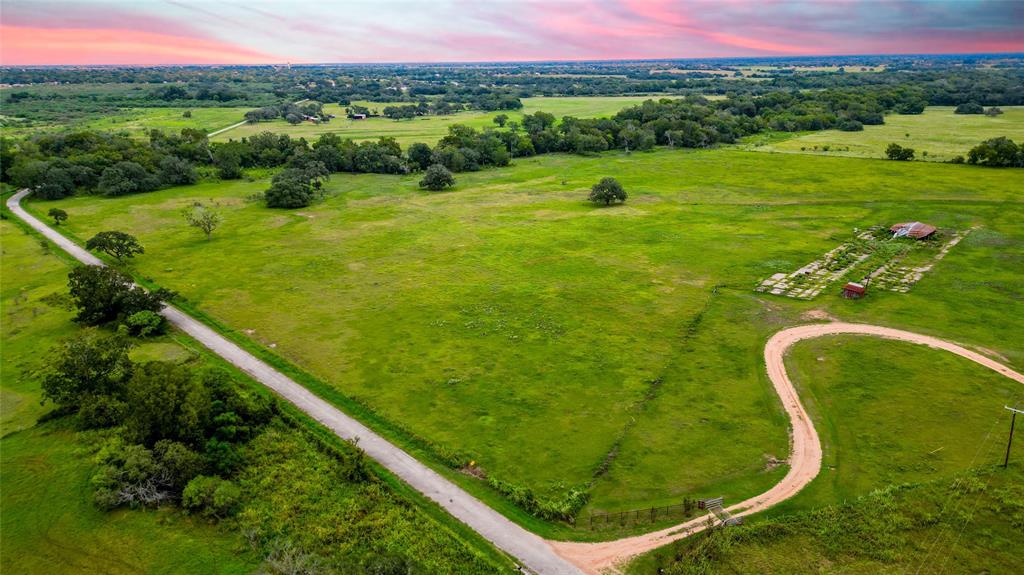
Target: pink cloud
46, 46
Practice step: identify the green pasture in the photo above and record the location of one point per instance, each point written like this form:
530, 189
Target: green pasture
938, 131
560, 344
894, 412
430, 129
141, 120
50, 525
967, 524
912, 441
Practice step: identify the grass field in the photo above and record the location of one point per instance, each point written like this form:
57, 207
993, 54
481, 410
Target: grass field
893, 412
970, 524
558, 344
938, 131
429, 129
899, 424
138, 121
50, 525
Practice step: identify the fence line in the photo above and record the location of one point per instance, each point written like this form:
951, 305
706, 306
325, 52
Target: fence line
638, 516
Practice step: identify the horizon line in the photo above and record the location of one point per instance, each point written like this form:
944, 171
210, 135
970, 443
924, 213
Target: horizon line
552, 61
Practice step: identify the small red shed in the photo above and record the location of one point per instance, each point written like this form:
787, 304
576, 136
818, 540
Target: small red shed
854, 290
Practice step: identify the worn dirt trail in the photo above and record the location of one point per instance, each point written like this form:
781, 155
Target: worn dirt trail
539, 555
805, 453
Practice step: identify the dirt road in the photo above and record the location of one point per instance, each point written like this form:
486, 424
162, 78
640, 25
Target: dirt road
805, 455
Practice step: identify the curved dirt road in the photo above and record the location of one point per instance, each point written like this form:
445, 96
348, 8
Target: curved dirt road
805, 455
539, 555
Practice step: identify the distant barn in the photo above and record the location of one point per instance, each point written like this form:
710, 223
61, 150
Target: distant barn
854, 290
357, 116
916, 230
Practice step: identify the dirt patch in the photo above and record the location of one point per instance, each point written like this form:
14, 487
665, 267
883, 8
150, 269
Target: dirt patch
771, 462
818, 315
992, 353
473, 471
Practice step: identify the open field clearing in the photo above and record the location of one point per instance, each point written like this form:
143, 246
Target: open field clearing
430, 129
938, 131
966, 524
893, 412
49, 522
911, 439
560, 345
138, 121
51, 526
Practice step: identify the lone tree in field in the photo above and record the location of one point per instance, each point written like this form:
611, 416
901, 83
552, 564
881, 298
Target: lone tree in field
500, 120
117, 245
899, 153
437, 178
202, 217
58, 215
607, 191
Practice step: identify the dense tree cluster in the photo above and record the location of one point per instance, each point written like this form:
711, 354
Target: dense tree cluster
59, 165
997, 153
178, 430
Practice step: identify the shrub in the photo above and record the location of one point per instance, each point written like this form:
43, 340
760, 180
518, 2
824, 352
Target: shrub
851, 126
129, 475
437, 178
607, 191
969, 108
145, 323
899, 153
211, 496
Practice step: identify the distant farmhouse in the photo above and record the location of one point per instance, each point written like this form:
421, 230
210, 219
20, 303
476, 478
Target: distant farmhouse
916, 230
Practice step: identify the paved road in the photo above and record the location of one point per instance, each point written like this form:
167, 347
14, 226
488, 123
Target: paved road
805, 456
533, 552
222, 130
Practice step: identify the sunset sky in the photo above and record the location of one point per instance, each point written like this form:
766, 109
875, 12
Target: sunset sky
150, 32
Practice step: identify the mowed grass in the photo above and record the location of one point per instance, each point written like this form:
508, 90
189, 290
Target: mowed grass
49, 523
938, 131
430, 129
511, 321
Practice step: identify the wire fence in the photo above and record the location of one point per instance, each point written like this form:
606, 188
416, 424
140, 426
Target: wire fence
646, 516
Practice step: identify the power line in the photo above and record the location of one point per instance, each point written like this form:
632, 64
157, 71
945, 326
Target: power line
956, 485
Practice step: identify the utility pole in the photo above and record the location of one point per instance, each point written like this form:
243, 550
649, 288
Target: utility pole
1009, 442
